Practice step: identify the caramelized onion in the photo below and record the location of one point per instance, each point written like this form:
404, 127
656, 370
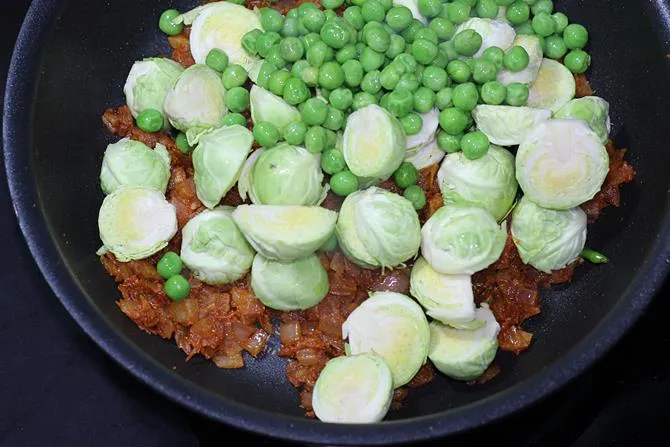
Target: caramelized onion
229, 361
289, 332
256, 343
309, 357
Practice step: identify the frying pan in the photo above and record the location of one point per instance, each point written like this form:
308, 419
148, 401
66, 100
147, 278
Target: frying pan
69, 64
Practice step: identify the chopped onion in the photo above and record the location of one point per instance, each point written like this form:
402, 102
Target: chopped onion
229, 361
309, 357
289, 332
256, 343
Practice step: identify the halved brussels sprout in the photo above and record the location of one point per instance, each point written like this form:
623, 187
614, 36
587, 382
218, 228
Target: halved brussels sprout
488, 182
244, 182
464, 354
553, 88
592, 109
214, 249
285, 233
561, 164
148, 83
295, 285
195, 103
413, 6
221, 25
353, 389
462, 240
429, 124
508, 125
548, 239
374, 144
131, 163
393, 326
427, 155
136, 222
378, 228
266, 106
218, 161
528, 75
495, 33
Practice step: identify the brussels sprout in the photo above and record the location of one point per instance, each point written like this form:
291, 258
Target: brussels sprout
507, 125
214, 249
462, 240
593, 110
295, 285
488, 182
378, 228
136, 222
244, 182
495, 33
353, 389
195, 102
285, 233
548, 239
427, 155
131, 163
393, 326
266, 106
561, 164
464, 354
413, 6
528, 75
374, 144
218, 161
429, 124
221, 25
553, 88
148, 83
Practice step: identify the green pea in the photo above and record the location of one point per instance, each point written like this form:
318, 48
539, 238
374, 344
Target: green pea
410, 32
409, 82
593, 256
150, 120
467, 42
313, 19
271, 20
331, 75
264, 74
346, 53
390, 75
493, 93
484, 71
575, 36
332, 161
334, 34
424, 99
415, 194
396, 46
177, 288
331, 139
406, 175
448, 49
407, 61
298, 67
544, 25
344, 183
308, 39
400, 102
332, 4
555, 47
427, 34
277, 81
442, 27
517, 94
443, 98
274, 56
378, 39
542, 6
487, 9
182, 143
387, 4
249, 41
354, 17
424, 51
334, 120
294, 133
363, 99
295, 91
314, 111
234, 118
234, 76
465, 96
526, 28
265, 133
169, 265
319, 53
504, 2
516, 59
371, 59
217, 60
472, 3
373, 11
310, 76
449, 143
291, 49
167, 25
341, 98
458, 12
293, 13
475, 145
237, 99
371, 82
304, 8
577, 61
290, 27
459, 71
434, 78
266, 41
517, 13
453, 121
496, 55
399, 18
430, 8
315, 139
561, 21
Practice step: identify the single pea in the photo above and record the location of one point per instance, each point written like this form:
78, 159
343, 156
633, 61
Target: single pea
484, 71
315, 139
293, 13
298, 67
458, 12
234, 76
493, 93
217, 60
371, 82
415, 194
290, 27
271, 19
314, 111
430, 8
454, 121
277, 81
346, 53
378, 39
487, 9
406, 175
265, 41
459, 71
434, 78
410, 32
475, 145
465, 96
371, 59
387, 4
150, 120
265, 133
561, 21
334, 34
310, 76
318, 53
294, 133
332, 161
373, 11
593, 256
449, 143
516, 59
295, 91
526, 28
448, 49
399, 18
546, 6
331, 139
443, 98
442, 27
577, 61
303, 8
408, 61
555, 47
544, 25
396, 46
234, 118
427, 34
344, 183
332, 4
424, 99
182, 143
341, 98
390, 75
291, 49
274, 56
167, 25
313, 19
331, 75
308, 39
169, 265
400, 102
424, 51
334, 119
353, 73
517, 94
467, 42
177, 287
249, 41
409, 82
517, 13
496, 55
237, 99
264, 74
363, 99
354, 17
575, 36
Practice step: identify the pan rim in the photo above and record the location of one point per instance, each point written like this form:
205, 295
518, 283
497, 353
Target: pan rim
19, 104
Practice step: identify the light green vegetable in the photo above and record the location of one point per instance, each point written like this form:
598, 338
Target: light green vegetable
548, 239
374, 144
561, 164
136, 222
148, 83
353, 389
430, 121
285, 233
413, 6
214, 249
553, 88
266, 106
195, 102
593, 110
378, 228
494, 33
218, 161
464, 354
528, 75
462, 240
426, 155
508, 125
488, 182
295, 285
131, 163
393, 326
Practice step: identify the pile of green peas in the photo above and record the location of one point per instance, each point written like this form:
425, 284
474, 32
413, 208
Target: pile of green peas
169, 267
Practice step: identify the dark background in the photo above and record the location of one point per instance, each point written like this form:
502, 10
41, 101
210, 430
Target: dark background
58, 388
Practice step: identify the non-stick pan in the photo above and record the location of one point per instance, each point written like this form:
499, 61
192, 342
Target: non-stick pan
70, 62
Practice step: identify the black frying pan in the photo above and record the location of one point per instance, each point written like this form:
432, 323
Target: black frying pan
70, 62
